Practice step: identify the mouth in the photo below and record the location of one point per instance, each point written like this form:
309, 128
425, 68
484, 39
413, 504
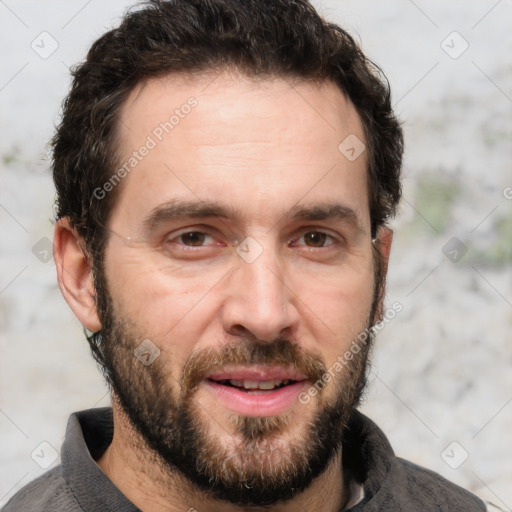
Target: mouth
256, 390
254, 387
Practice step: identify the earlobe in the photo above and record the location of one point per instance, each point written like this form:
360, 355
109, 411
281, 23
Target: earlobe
74, 274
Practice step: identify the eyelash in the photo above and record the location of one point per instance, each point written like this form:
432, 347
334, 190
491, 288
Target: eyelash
189, 247
317, 231
196, 248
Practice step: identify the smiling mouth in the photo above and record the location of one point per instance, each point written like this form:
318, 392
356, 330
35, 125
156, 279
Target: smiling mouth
256, 390
254, 387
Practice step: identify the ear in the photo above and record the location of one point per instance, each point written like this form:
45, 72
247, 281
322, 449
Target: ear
383, 245
74, 274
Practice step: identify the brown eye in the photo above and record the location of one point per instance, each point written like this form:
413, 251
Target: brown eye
193, 238
315, 238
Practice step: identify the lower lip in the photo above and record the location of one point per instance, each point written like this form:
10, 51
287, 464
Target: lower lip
266, 403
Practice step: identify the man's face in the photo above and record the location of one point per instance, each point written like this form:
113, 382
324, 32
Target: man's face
244, 256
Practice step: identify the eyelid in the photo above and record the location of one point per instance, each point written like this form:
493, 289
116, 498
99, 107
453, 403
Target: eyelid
178, 234
335, 236
208, 231
215, 235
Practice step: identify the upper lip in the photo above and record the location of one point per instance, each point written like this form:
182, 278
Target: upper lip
257, 373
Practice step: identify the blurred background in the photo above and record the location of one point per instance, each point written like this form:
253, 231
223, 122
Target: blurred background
441, 380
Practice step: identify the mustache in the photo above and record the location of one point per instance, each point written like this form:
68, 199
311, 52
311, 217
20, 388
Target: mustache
281, 352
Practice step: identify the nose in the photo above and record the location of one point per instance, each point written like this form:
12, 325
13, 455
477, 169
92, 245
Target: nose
259, 301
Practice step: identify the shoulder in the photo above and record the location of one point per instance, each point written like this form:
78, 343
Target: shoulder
47, 493
425, 486
393, 483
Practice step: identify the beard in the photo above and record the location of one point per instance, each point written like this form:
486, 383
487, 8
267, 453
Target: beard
259, 464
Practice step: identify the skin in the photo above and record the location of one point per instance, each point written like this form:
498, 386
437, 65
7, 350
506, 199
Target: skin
261, 147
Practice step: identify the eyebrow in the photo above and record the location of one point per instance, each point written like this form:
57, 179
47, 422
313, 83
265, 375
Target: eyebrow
325, 211
197, 209
187, 209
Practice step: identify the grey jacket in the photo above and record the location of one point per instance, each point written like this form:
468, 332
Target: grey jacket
390, 484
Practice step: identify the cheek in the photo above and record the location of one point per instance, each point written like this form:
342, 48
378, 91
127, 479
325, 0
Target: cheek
337, 306
159, 298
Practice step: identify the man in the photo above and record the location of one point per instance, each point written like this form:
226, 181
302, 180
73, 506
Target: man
225, 171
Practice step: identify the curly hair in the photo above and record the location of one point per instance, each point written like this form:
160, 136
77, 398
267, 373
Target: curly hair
260, 38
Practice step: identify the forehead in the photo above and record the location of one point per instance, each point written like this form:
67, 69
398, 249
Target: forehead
260, 145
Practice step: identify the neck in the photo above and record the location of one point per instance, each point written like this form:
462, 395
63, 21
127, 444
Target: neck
136, 471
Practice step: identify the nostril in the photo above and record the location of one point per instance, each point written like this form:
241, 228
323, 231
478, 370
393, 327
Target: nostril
239, 330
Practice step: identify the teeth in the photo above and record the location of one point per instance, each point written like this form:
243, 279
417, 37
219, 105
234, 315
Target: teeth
252, 384
269, 384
